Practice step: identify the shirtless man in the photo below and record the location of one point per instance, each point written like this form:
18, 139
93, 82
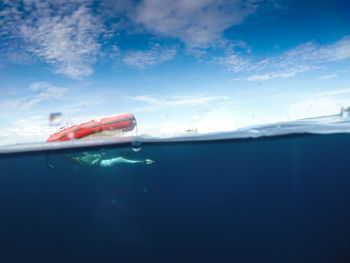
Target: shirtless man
97, 160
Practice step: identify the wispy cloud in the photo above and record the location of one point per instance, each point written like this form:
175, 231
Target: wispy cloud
178, 100
68, 43
305, 57
332, 93
235, 63
275, 75
330, 76
41, 91
71, 36
64, 35
149, 58
196, 23
314, 54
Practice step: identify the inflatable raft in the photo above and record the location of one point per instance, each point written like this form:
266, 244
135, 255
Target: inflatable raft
122, 123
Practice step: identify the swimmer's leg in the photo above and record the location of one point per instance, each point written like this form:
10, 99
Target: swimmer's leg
119, 160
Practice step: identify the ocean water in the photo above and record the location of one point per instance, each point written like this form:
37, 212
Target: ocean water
221, 198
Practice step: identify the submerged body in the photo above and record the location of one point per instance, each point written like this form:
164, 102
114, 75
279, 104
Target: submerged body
98, 161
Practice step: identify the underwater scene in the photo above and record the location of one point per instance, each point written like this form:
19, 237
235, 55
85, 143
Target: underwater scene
282, 198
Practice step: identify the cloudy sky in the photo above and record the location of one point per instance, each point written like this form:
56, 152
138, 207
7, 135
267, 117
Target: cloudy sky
209, 65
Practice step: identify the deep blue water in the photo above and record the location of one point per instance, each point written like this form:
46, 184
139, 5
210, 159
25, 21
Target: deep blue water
278, 199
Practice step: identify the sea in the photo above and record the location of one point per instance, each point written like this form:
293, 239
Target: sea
270, 193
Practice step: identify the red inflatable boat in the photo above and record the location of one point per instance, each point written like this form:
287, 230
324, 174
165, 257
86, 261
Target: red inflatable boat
124, 122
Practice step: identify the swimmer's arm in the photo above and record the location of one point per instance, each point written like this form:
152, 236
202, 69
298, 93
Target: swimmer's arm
71, 158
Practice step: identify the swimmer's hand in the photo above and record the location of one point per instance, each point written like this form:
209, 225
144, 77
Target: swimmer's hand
149, 161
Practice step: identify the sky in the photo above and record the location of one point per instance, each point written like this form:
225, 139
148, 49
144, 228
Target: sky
208, 65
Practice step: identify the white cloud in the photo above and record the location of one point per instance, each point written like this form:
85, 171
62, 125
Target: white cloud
330, 76
274, 75
315, 54
149, 58
235, 63
305, 57
41, 91
332, 93
64, 35
198, 23
179, 100
10, 104
68, 43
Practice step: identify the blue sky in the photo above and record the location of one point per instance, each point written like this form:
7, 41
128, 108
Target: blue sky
210, 65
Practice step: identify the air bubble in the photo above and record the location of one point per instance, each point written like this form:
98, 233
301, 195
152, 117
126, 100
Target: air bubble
103, 151
136, 146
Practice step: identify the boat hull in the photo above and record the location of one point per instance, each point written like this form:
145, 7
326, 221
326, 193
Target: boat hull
123, 123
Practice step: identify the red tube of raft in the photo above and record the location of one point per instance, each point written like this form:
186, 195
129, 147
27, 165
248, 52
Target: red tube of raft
124, 122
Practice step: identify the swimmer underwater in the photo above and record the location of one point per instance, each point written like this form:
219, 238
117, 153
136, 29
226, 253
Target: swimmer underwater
98, 161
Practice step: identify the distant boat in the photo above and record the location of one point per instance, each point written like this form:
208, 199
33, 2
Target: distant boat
95, 128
